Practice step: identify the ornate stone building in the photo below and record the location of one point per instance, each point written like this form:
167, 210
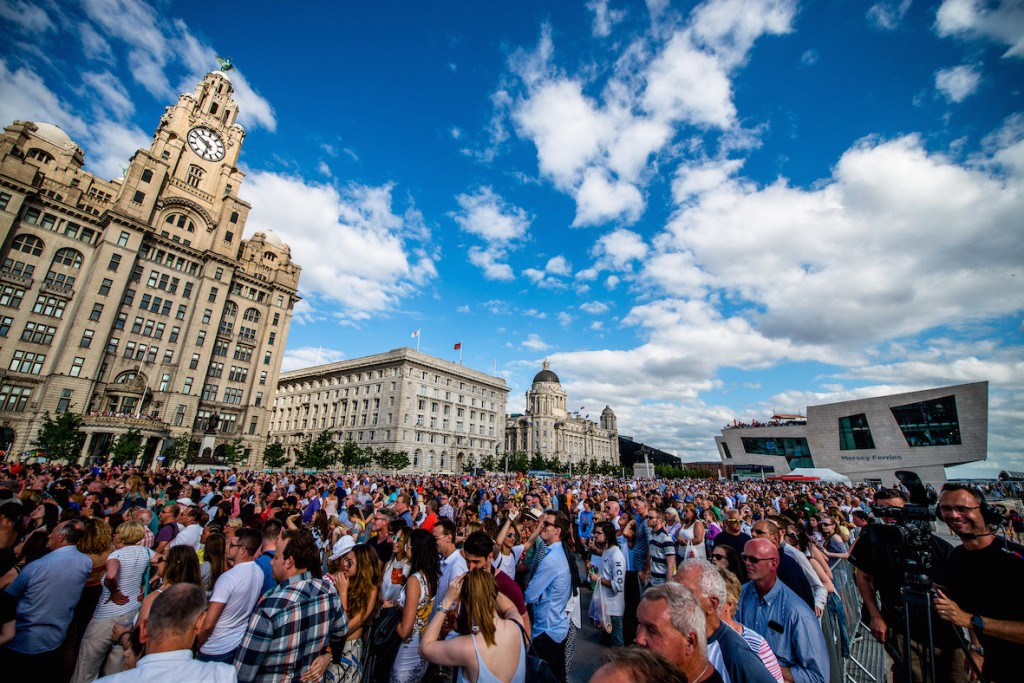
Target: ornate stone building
136, 301
550, 429
440, 413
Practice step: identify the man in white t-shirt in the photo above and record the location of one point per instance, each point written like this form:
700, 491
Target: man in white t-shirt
234, 597
192, 530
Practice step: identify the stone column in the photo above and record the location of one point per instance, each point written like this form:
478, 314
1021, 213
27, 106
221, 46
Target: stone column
84, 453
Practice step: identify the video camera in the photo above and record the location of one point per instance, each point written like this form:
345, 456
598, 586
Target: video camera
910, 530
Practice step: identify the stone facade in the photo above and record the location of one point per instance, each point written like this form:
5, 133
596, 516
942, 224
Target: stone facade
442, 414
553, 431
869, 439
136, 301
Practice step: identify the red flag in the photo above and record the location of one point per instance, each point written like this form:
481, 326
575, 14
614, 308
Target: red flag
458, 345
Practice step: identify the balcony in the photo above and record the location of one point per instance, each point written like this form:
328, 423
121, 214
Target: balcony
15, 279
66, 291
191, 190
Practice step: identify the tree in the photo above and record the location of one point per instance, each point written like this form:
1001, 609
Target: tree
60, 437
388, 459
354, 457
489, 463
469, 464
127, 447
274, 456
518, 462
233, 453
319, 454
537, 462
182, 449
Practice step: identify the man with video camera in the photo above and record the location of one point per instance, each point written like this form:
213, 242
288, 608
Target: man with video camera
881, 567
983, 591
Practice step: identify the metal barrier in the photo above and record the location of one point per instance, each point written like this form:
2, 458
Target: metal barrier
865, 660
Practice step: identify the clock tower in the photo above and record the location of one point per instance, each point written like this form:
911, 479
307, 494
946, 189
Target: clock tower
193, 161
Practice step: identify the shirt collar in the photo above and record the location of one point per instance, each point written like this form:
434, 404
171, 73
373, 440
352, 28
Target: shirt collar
292, 580
172, 656
773, 594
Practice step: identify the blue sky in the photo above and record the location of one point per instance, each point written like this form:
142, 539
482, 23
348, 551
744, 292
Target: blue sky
697, 211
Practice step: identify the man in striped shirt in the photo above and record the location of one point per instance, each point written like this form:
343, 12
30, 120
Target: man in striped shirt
662, 549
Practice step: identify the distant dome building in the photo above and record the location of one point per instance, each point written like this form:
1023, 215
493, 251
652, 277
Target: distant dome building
550, 429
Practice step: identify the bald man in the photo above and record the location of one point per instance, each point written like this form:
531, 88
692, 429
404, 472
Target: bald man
769, 607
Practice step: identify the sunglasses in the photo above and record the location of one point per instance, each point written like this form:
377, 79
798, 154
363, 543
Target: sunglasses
719, 556
734, 521
754, 560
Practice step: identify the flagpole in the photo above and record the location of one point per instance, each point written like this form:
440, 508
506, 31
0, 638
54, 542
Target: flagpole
417, 340
460, 353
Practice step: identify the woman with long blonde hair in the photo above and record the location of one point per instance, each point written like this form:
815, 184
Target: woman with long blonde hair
499, 653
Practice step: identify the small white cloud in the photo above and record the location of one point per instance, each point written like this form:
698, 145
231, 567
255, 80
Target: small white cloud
565, 319
324, 170
455, 132
309, 356
487, 215
886, 16
31, 19
558, 265
534, 343
489, 260
1001, 21
597, 326
809, 57
611, 282
604, 18
463, 309
957, 83
594, 307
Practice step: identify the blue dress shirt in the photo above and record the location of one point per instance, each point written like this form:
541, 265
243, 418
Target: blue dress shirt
548, 592
47, 591
801, 645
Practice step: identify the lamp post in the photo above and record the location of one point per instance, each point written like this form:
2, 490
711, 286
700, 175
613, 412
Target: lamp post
497, 456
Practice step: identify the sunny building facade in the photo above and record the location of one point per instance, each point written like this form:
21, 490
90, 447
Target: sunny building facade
550, 429
444, 415
136, 301
869, 439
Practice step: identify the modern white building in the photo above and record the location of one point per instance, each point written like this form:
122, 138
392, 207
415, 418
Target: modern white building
440, 413
869, 439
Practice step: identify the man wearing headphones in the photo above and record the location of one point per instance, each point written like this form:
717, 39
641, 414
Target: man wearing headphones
983, 592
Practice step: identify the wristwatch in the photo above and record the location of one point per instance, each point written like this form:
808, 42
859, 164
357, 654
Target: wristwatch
977, 623
978, 649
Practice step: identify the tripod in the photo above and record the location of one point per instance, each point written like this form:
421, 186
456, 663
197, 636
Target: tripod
923, 598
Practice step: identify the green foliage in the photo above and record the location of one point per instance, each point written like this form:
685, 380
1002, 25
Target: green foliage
469, 464
354, 457
388, 459
182, 450
518, 462
319, 454
673, 472
60, 437
274, 456
234, 453
538, 462
489, 463
127, 448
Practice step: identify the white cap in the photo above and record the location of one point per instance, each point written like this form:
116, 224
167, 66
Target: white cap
342, 547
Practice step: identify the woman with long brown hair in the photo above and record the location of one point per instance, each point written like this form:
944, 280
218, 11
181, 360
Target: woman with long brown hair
215, 560
499, 653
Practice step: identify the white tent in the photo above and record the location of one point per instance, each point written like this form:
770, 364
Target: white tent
822, 473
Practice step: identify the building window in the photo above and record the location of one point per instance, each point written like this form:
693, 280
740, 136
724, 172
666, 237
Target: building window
28, 244
215, 370
186, 388
209, 392
266, 358
105, 286
5, 325
929, 423
194, 363
13, 398
86, 339
854, 433
27, 362
169, 356
213, 294
201, 338
97, 310
207, 314
6, 198
65, 401
233, 219
11, 296
147, 175
115, 262
50, 306
67, 257
139, 197
195, 176
179, 415
263, 378
38, 333
165, 381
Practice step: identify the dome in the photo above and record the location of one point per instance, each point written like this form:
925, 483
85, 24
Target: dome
271, 237
53, 134
546, 375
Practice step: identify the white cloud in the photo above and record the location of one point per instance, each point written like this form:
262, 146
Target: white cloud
604, 18
695, 178
888, 15
618, 250
594, 307
599, 199
1001, 21
809, 57
463, 309
489, 260
486, 215
565, 319
109, 94
534, 343
387, 254
729, 28
309, 356
597, 326
558, 265
957, 83
31, 19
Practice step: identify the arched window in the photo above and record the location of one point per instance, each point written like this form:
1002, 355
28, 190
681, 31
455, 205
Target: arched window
67, 257
230, 309
269, 256
180, 220
195, 176
252, 315
30, 244
125, 377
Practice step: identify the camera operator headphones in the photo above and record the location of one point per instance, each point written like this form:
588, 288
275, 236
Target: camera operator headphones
991, 515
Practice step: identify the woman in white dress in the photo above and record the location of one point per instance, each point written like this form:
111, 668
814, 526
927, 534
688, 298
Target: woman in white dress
397, 569
416, 602
690, 536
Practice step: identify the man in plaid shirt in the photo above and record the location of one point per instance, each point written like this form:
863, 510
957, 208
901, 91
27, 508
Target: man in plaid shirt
296, 622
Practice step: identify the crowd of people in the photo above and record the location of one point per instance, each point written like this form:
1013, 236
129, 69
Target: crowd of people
124, 575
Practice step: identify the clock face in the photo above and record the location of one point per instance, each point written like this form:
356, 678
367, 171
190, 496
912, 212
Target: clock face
206, 143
